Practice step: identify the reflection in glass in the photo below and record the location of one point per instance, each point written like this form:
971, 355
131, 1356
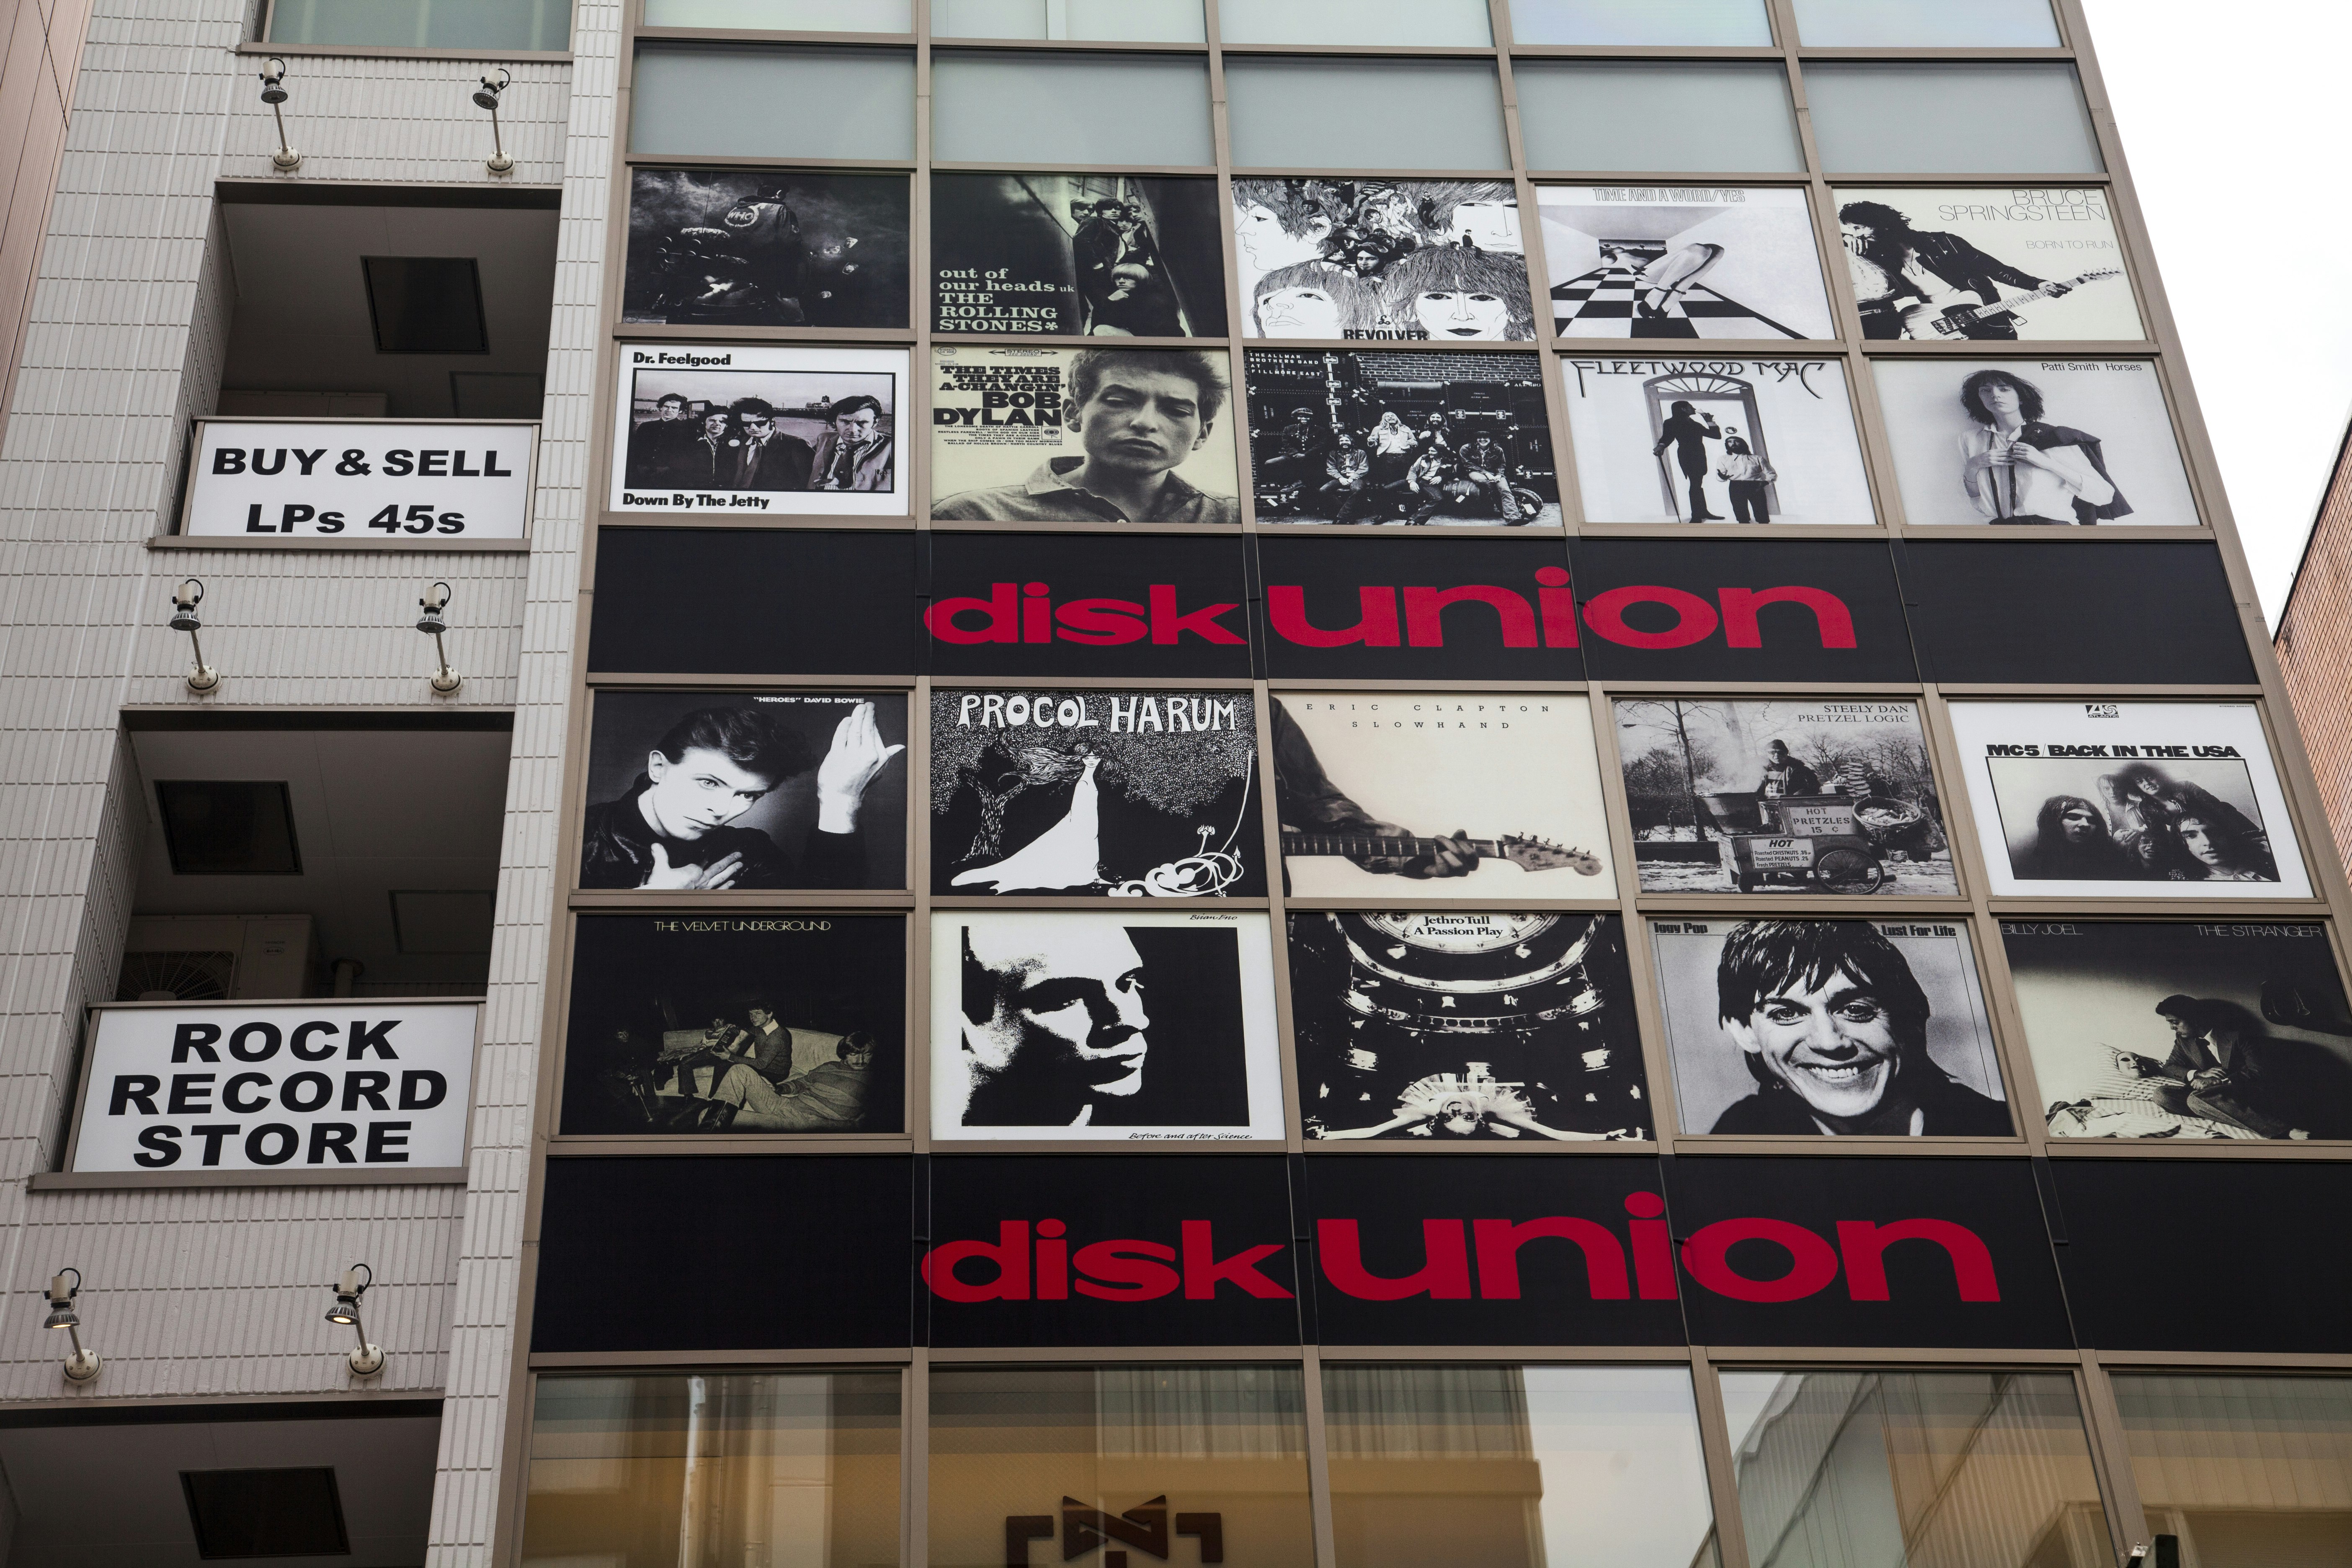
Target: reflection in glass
422, 25
1619, 116
708, 1468
785, 15
1516, 1466
1722, 24
1133, 1459
1858, 1469
2250, 1472
1927, 23
1095, 21
1444, 23
1919, 118
1035, 106
1291, 112
773, 102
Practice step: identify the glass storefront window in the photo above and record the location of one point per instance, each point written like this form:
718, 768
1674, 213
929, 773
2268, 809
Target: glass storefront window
1914, 1469
773, 103
1133, 1459
1516, 1466
423, 24
1291, 114
1927, 23
785, 15
2249, 1472
1033, 107
1090, 21
797, 1468
1339, 23
1917, 117
1721, 24
1608, 116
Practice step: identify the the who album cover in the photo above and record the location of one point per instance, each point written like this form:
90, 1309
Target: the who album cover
2037, 443
1121, 256
1782, 796
766, 247
1097, 435
1433, 795
1717, 440
1401, 437
1121, 794
1842, 1029
1467, 1028
1127, 1026
737, 1024
1430, 260
2128, 800
2166, 1029
745, 792
1994, 263
1683, 261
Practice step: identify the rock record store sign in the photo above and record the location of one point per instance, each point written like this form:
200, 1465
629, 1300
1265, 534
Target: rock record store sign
360, 481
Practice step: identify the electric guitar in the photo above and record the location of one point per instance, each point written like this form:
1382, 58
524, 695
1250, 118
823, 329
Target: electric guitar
1936, 318
1527, 854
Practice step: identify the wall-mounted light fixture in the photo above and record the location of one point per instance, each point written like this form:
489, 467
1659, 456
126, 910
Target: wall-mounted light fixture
366, 1360
273, 93
82, 1365
437, 599
486, 96
202, 677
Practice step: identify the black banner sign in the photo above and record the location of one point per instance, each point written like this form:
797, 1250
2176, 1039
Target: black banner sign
1371, 609
726, 601
1740, 610
1062, 604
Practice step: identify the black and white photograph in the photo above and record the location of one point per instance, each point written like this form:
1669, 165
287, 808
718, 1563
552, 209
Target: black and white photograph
1106, 256
2164, 1030
766, 1023
2128, 800
1996, 263
719, 791
766, 247
2038, 443
753, 430
1435, 261
1124, 1027
1125, 795
1683, 261
1467, 1026
1717, 440
1108, 435
1782, 796
1837, 1028
1434, 795
1401, 438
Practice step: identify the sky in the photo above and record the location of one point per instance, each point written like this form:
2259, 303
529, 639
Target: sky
2229, 138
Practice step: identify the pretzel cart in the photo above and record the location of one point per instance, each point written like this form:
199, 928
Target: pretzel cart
1824, 839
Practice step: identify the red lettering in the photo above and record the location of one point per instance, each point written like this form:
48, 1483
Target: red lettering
1424, 607
1101, 622
1654, 1254
1010, 1253
1812, 1262
1376, 625
1003, 626
1445, 1275
1053, 1261
1863, 1245
1037, 614
1695, 619
1557, 602
1126, 1271
1203, 1273
1832, 620
1499, 1254
1166, 625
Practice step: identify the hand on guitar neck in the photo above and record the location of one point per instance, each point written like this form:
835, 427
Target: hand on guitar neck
1953, 314
1388, 850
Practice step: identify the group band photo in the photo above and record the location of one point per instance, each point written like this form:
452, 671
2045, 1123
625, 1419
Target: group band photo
1427, 261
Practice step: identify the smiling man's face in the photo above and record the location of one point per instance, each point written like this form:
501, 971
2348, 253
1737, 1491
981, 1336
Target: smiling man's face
1833, 1045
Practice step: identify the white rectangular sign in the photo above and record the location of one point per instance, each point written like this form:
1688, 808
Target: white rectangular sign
277, 1086
363, 481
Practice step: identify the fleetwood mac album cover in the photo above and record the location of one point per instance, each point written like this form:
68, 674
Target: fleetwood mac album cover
1434, 260
1121, 256
1683, 261
766, 247
2014, 263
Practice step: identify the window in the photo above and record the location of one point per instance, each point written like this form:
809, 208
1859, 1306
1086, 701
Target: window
422, 25
2250, 1472
425, 304
1312, 115
2020, 117
1573, 1467
774, 103
1432, 22
1052, 109
649, 1472
1927, 23
1719, 23
1606, 117
785, 15
1098, 21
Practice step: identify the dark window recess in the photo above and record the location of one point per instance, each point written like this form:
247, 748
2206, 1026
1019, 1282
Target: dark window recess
426, 304
266, 1513
228, 827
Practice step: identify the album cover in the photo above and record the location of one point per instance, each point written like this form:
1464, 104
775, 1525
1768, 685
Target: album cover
1465, 1026
1367, 435
716, 790
2128, 800
1716, 440
1078, 254
1429, 796
766, 247
1683, 261
1123, 793
1129, 1025
1436, 261
2031, 263
1848, 1029
1102, 435
721, 1023
1778, 795
2067, 442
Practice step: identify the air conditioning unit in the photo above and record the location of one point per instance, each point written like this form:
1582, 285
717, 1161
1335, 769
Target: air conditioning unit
211, 958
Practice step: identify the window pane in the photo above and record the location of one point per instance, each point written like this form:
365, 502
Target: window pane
2250, 1472
774, 103
651, 1472
1914, 1469
1445, 22
786, 15
1225, 1447
1106, 21
1721, 22
1927, 23
1705, 118
1051, 109
1512, 1467
1935, 119
422, 25
1308, 114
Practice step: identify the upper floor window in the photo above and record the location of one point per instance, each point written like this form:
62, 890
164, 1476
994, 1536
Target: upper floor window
785, 15
491, 25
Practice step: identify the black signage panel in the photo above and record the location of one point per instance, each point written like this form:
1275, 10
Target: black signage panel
713, 601
1076, 605
1740, 610
725, 1252
1418, 610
